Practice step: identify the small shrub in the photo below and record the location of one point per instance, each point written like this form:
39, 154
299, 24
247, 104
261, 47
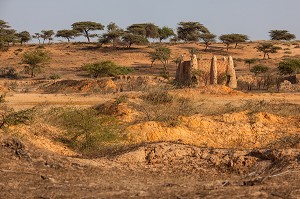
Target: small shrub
2, 98
106, 69
17, 51
288, 52
289, 66
258, 69
167, 112
9, 117
54, 77
111, 108
158, 96
9, 72
87, 131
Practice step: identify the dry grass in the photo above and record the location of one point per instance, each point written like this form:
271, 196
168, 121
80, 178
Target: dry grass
67, 59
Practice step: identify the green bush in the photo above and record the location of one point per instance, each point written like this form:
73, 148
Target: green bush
258, 69
289, 66
54, 76
106, 69
158, 96
87, 131
167, 113
10, 117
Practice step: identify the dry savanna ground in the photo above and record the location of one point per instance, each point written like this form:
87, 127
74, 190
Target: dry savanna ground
139, 136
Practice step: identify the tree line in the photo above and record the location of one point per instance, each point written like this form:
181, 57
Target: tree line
133, 34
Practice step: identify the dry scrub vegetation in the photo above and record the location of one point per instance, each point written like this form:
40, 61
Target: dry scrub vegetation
71, 130
160, 114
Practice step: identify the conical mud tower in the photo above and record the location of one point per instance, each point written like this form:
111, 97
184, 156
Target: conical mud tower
214, 71
232, 83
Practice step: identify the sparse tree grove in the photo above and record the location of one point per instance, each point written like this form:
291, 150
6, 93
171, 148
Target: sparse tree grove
140, 34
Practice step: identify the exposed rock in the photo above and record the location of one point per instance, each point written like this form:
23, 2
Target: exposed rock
286, 86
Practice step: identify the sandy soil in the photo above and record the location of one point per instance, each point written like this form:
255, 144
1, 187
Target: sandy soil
159, 170
68, 58
240, 154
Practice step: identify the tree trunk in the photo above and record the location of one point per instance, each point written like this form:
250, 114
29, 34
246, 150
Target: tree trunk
206, 46
236, 44
165, 68
87, 35
68, 39
227, 47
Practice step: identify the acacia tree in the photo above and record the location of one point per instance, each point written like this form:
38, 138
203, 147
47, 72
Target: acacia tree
47, 35
113, 35
148, 30
24, 37
208, 38
85, 27
233, 39
267, 48
165, 32
3, 24
68, 34
281, 35
35, 61
250, 61
151, 30
37, 36
130, 39
163, 54
7, 35
137, 29
190, 31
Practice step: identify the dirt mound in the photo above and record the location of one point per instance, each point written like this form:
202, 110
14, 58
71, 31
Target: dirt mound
178, 157
43, 137
103, 85
122, 110
237, 130
77, 86
217, 89
153, 170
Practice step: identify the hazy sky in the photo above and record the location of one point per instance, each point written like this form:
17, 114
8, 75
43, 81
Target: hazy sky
252, 17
